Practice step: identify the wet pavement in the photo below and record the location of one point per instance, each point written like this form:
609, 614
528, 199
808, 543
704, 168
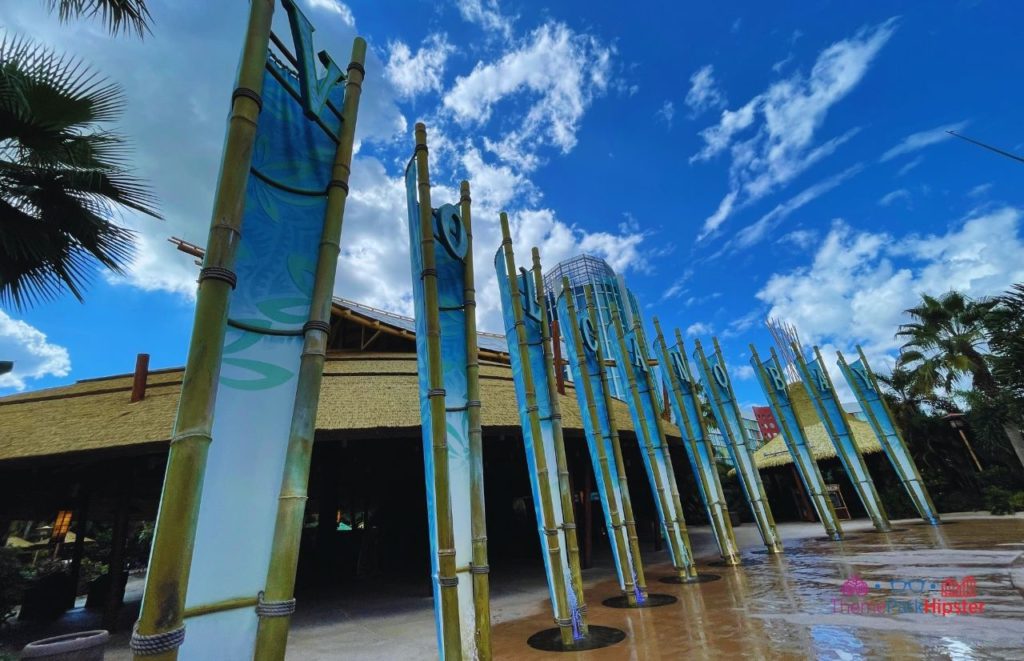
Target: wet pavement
870, 596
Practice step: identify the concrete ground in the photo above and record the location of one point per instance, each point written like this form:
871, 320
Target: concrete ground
790, 606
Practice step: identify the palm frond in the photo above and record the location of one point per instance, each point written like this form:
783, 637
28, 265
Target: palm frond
118, 15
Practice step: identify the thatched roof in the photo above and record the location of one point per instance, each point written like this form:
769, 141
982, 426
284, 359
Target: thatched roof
774, 452
363, 395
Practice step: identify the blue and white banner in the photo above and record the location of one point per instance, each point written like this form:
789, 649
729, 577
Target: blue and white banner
773, 383
586, 369
547, 480
632, 365
862, 381
819, 387
285, 203
676, 375
727, 414
450, 248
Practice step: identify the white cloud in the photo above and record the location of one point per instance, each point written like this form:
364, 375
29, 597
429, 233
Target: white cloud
893, 196
487, 14
699, 328
781, 64
859, 283
802, 239
335, 7
980, 190
742, 372
787, 116
704, 93
922, 139
666, 112
910, 166
714, 221
562, 71
678, 286
422, 72
34, 357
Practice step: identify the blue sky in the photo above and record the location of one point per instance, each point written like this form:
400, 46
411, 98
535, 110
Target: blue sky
733, 160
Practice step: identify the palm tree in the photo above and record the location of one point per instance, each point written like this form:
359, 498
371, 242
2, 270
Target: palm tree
119, 15
62, 174
946, 340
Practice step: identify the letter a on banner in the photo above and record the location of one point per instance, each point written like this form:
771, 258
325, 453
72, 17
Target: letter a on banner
676, 374
770, 376
863, 383
529, 351
586, 358
730, 424
631, 362
223, 557
818, 386
446, 346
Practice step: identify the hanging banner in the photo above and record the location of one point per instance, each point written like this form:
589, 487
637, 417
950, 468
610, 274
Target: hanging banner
632, 364
773, 383
584, 354
864, 385
675, 372
285, 203
446, 350
523, 314
727, 414
818, 384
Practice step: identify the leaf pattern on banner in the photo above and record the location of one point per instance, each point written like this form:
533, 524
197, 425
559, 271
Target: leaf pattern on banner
276, 309
271, 375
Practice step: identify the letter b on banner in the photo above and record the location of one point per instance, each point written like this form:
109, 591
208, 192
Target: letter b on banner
776, 377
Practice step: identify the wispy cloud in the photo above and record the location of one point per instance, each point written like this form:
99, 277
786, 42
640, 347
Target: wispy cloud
487, 14
922, 139
786, 118
666, 112
678, 286
423, 72
699, 328
910, 166
980, 190
704, 93
335, 7
802, 239
894, 196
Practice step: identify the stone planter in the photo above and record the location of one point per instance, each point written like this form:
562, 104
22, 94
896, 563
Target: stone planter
81, 646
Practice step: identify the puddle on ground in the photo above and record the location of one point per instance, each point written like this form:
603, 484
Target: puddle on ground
872, 596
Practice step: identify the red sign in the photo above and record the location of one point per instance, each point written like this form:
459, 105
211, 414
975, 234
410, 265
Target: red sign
766, 422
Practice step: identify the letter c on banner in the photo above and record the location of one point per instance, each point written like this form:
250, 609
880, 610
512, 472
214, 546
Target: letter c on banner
589, 334
776, 377
719, 374
678, 366
449, 229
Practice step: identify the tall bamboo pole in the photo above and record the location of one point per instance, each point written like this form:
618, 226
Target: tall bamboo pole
925, 506
562, 617
620, 464
718, 511
810, 474
670, 471
479, 568
447, 579
618, 532
851, 459
272, 634
160, 628
669, 522
565, 491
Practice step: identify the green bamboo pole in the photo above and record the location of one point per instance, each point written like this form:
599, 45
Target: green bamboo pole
813, 483
669, 522
446, 573
620, 464
745, 467
564, 489
670, 471
272, 634
618, 531
562, 617
161, 624
861, 481
719, 511
916, 474
479, 568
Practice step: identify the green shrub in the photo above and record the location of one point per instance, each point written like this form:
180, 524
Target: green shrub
997, 500
1017, 501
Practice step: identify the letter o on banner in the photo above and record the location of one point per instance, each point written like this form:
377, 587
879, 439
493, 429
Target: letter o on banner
719, 375
449, 229
589, 334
